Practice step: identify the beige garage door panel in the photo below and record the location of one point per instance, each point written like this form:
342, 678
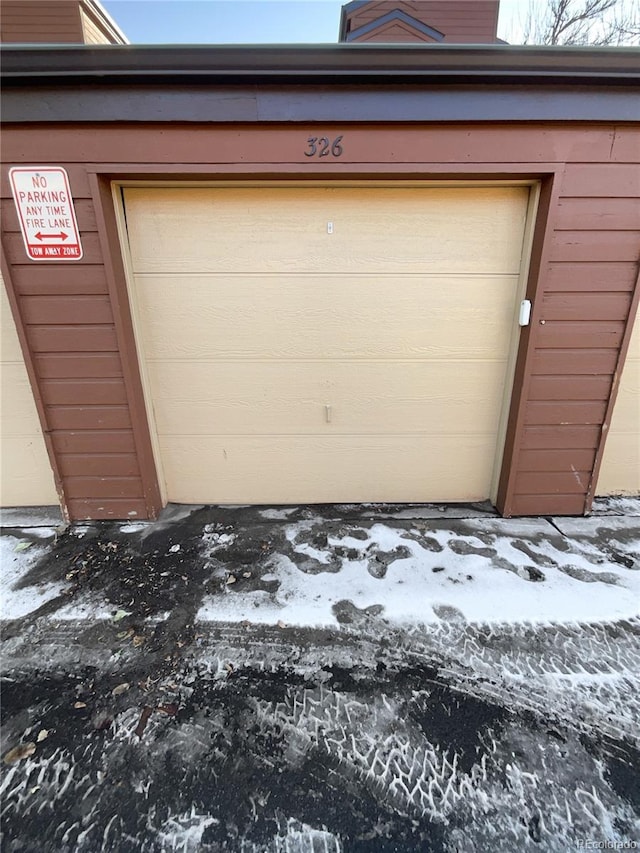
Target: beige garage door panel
19, 414
252, 319
286, 230
213, 469
250, 398
26, 478
283, 317
626, 413
10, 352
620, 471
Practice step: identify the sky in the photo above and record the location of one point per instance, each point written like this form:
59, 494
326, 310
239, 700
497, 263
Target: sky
247, 21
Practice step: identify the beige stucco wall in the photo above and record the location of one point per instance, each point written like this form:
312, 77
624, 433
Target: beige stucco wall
620, 472
92, 33
26, 478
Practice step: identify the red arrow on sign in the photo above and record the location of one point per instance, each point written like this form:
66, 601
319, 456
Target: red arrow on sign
60, 236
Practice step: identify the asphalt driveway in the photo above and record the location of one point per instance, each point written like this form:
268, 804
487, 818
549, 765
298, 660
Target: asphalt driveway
367, 678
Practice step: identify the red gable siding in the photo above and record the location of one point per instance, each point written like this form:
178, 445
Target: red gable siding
50, 22
463, 21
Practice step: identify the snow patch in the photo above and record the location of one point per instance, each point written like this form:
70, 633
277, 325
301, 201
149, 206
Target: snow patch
85, 608
17, 601
277, 514
184, 832
480, 577
134, 528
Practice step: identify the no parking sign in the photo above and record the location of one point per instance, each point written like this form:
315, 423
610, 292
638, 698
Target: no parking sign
45, 211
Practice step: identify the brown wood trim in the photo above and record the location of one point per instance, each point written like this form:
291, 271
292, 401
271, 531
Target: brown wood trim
560, 388
615, 385
104, 173
82, 365
499, 97
72, 338
565, 366
543, 231
374, 170
54, 21
66, 310
107, 487
560, 437
81, 417
81, 280
30, 365
603, 214
557, 459
99, 465
107, 508
548, 504
590, 276
565, 412
212, 144
570, 334
552, 482
83, 392
556, 362
597, 245
86, 441
116, 282
559, 305
601, 180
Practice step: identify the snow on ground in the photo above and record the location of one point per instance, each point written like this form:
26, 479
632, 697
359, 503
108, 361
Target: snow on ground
320, 572
17, 556
592, 527
502, 571
616, 505
18, 599
85, 607
481, 693
135, 527
277, 514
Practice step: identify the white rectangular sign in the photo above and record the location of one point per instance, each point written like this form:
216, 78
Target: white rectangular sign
45, 210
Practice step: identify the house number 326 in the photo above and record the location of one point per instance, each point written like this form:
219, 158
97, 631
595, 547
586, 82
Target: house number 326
323, 147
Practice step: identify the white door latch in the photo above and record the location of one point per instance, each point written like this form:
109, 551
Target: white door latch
525, 312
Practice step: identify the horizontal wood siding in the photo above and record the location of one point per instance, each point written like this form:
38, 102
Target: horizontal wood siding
69, 322
583, 276
41, 21
464, 21
581, 319
395, 32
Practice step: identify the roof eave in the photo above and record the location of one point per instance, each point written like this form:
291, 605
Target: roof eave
127, 64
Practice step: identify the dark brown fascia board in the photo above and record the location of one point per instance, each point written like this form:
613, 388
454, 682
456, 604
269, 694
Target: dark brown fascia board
314, 103
342, 63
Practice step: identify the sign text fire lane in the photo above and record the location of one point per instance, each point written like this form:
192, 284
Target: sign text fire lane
45, 210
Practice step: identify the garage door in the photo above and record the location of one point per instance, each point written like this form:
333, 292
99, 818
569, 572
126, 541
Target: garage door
325, 344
